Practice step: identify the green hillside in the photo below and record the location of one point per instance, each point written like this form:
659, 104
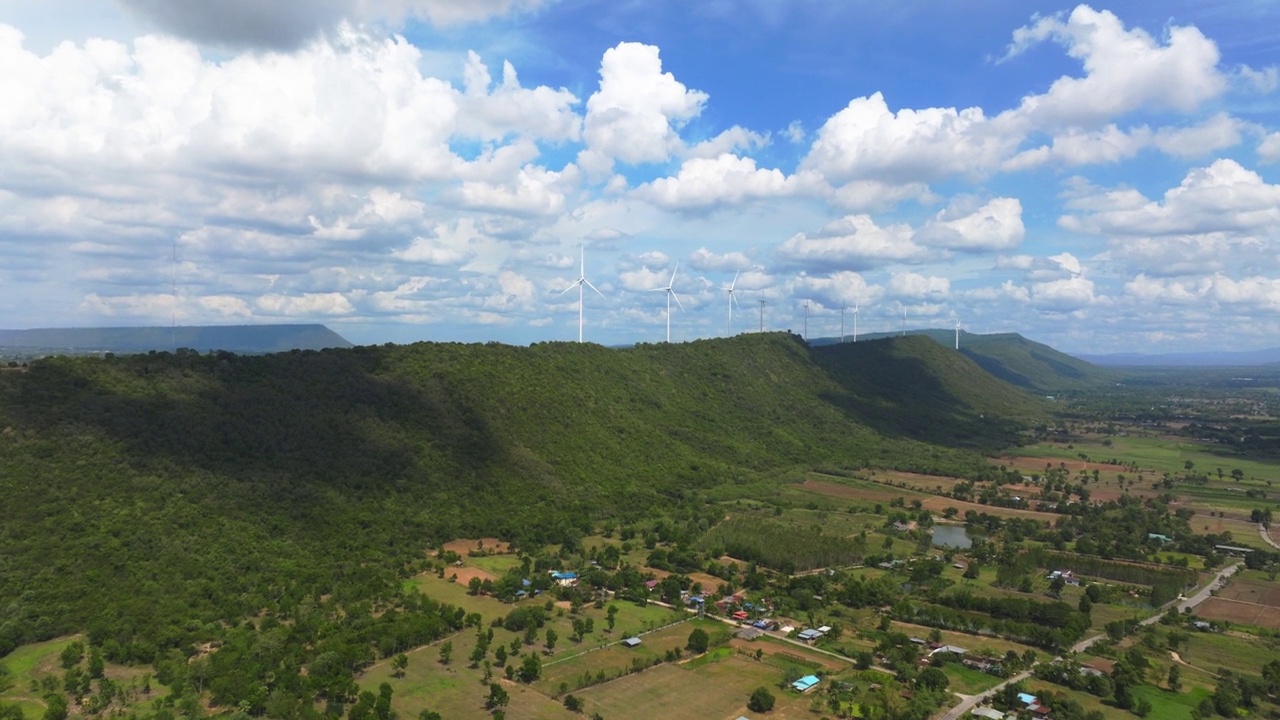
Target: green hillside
914, 387
153, 498
1012, 358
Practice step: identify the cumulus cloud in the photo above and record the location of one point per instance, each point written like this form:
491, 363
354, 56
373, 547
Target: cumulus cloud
635, 115
909, 285
1125, 69
1269, 148
1223, 197
866, 140
1249, 293
703, 183
1066, 295
853, 241
705, 260
996, 225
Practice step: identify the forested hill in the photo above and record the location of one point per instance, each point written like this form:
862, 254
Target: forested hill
155, 496
233, 338
1012, 358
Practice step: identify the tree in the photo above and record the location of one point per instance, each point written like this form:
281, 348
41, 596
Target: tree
933, 679
446, 652
761, 700
399, 663
552, 636
55, 707
573, 704
382, 707
699, 641
429, 715
498, 697
611, 617
95, 663
1175, 678
531, 668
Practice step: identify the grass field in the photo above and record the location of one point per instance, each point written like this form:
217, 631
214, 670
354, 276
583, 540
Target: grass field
39, 660
1239, 653
715, 690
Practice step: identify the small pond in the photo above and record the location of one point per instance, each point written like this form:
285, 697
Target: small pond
952, 536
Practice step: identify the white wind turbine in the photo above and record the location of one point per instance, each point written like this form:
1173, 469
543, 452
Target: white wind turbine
733, 300
579, 283
957, 333
855, 321
670, 294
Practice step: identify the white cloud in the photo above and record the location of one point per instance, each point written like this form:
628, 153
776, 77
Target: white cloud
868, 141
855, 240
1075, 146
996, 225
794, 132
909, 285
1066, 295
1269, 148
307, 304
1223, 197
705, 260
1218, 132
1125, 69
705, 183
728, 142
635, 114
494, 113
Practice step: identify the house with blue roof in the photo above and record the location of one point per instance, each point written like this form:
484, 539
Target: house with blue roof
806, 683
564, 579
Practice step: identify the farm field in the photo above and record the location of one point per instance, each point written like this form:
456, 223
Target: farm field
847, 489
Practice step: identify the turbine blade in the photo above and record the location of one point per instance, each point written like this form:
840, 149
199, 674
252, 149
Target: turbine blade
593, 287
735, 280
673, 274
734, 297
677, 297
574, 285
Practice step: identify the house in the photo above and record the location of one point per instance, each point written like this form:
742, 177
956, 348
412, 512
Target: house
1067, 576
749, 633
631, 642
564, 579
740, 615
988, 713
1158, 536
1233, 549
1202, 626
521, 594
824, 629
806, 683
809, 635
651, 584
695, 600
948, 650
1028, 699
918, 640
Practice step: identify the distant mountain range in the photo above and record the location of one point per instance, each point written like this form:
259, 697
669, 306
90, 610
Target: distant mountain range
233, 338
1213, 358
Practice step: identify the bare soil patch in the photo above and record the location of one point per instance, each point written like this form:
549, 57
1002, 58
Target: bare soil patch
1235, 611
464, 546
466, 572
1252, 591
1036, 464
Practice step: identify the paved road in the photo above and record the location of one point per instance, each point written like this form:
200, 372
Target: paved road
968, 702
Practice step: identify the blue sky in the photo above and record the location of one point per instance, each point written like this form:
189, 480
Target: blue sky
1098, 177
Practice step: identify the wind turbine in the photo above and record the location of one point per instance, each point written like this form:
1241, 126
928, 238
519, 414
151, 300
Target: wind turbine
670, 294
579, 283
957, 333
733, 300
806, 321
855, 321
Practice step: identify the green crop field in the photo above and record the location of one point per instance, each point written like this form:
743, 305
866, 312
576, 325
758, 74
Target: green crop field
1244, 654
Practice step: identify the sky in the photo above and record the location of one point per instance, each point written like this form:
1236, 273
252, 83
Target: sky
1102, 178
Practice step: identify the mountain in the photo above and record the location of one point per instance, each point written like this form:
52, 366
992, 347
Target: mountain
179, 491
232, 338
1012, 358
1212, 358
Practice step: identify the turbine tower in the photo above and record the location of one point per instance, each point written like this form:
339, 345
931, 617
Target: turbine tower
670, 294
579, 283
806, 321
855, 321
957, 333
733, 300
